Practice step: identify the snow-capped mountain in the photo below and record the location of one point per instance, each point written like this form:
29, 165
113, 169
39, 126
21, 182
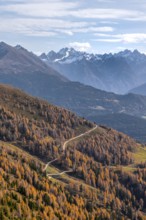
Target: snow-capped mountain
67, 55
119, 72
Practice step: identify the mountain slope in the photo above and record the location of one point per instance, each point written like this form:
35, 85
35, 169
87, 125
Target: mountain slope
25, 70
27, 194
133, 126
35, 123
141, 90
111, 72
97, 187
41, 128
17, 58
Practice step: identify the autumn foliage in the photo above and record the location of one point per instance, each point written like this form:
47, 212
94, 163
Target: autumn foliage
97, 187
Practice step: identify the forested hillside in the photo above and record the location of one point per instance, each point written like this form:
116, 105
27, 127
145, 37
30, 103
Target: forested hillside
25, 192
35, 125
105, 181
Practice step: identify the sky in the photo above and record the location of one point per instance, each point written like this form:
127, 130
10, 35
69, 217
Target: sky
95, 26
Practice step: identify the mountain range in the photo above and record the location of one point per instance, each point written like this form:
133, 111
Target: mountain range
119, 72
23, 69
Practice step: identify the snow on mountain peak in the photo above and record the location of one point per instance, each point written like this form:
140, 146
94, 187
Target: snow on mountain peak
69, 55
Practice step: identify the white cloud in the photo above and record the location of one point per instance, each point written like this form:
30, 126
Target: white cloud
108, 22
40, 33
41, 9
133, 38
62, 8
86, 29
80, 46
108, 40
49, 27
124, 38
40, 27
102, 35
68, 32
108, 13
94, 29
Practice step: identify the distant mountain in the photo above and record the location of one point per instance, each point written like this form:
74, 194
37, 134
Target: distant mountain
17, 60
111, 72
139, 90
24, 70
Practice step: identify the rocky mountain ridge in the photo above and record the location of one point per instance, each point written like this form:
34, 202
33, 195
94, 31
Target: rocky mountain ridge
117, 72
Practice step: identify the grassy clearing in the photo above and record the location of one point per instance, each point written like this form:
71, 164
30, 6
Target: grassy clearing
140, 155
129, 168
51, 169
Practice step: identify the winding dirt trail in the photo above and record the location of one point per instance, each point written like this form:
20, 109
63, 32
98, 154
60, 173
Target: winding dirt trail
64, 147
59, 174
49, 164
74, 138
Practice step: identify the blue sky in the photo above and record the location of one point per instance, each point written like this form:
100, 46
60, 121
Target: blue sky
96, 26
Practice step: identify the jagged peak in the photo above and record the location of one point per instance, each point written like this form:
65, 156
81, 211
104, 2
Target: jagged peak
51, 53
70, 50
19, 47
43, 55
128, 52
2, 43
70, 55
4, 46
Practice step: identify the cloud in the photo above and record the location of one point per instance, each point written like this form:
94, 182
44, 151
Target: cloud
123, 38
41, 8
40, 33
94, 29
91, 29
108, 22
133, 38
108, 40
68, 32
49, 27
109, 13
40, 27
80, 46
76, 9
